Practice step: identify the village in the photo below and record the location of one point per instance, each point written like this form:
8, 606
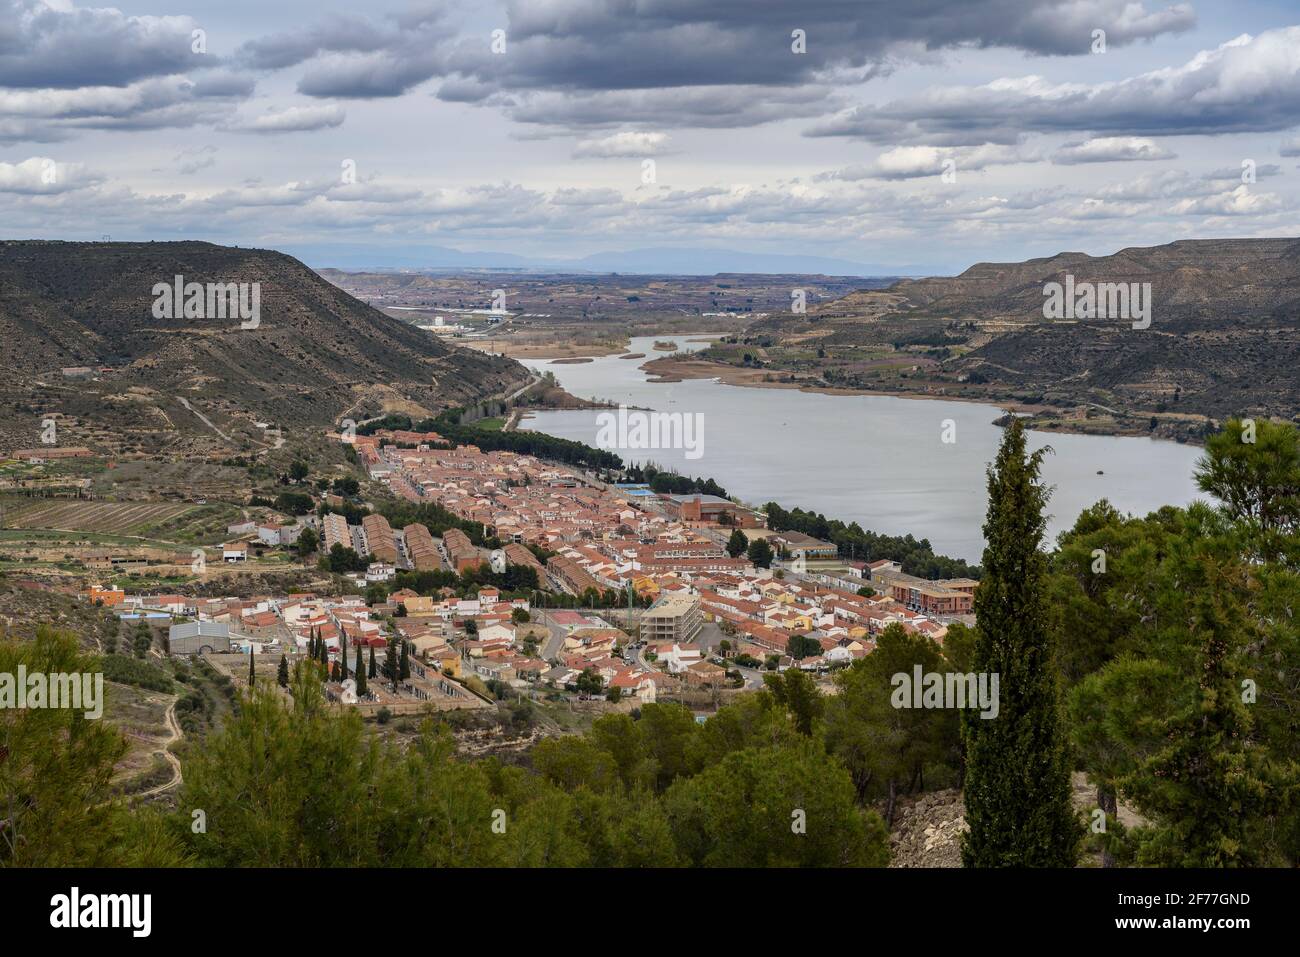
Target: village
639, 596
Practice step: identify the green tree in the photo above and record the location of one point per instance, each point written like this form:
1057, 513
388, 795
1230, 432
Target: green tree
1017, 773
57, 772
886, 749
1256, 476
624, 830
371, 671
282, 674
802, 646
785, 806
360, 671
590, 682
307, 542
667, 730
1177, 740
252, 673
737, 543
797, 693
760, 553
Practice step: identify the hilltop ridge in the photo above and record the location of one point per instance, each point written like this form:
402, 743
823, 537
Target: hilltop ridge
315, 353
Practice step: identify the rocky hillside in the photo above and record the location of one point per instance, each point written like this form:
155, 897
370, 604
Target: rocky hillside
1201, 280
315, 352
1223, 338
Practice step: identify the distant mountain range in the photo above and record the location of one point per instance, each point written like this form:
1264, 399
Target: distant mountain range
683, 261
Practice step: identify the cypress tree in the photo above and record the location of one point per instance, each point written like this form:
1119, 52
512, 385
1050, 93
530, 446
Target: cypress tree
335, 672
371, 670
393, 664
251, 676
1018, 774
282, 676
406, 661
361, 674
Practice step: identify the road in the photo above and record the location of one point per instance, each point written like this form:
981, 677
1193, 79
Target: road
203, 418
532, 381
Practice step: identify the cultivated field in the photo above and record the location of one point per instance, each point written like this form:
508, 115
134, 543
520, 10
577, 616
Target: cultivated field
114, 518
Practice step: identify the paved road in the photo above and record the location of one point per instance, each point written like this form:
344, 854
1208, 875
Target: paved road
555, 642
532, 381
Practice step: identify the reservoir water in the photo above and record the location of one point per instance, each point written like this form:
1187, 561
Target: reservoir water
878, 460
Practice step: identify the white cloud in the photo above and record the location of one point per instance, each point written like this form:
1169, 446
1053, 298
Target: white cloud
623, 145
1242, 201
1111, 149
914, 162
295, 119
41, 175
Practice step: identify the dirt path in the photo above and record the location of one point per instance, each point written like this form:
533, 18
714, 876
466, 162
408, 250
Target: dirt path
203, 418
171, 759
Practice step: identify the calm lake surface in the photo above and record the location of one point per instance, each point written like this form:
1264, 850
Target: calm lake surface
876, 460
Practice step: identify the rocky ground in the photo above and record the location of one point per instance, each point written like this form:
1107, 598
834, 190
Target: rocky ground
928, 828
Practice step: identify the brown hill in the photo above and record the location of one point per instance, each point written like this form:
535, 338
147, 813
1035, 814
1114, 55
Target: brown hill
1223, 340
316, 353
1210, 279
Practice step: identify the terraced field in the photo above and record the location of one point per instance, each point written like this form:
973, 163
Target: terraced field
114, 518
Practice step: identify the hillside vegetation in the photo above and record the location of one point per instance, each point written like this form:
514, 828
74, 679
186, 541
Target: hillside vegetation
316, 353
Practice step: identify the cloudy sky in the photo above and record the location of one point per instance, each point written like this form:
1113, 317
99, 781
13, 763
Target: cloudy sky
922, 133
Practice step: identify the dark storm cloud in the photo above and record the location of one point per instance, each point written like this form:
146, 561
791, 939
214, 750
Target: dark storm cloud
582, 50
41, 47
337, 35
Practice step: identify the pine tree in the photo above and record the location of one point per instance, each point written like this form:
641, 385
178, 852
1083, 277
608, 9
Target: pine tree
282, 676
1208, 785
371, 670
1018, 776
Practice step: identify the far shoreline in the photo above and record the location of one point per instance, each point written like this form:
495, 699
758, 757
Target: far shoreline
669, 369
